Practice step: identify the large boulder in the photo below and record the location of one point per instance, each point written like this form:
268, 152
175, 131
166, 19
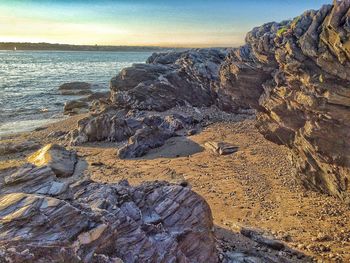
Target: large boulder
44, 218
61, 161
169, 79
142, 130
75, 107
144, 91
297, 75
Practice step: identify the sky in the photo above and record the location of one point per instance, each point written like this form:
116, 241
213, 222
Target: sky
175, 23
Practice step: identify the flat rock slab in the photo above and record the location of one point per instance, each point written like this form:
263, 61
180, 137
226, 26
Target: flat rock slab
61, 161
221, 148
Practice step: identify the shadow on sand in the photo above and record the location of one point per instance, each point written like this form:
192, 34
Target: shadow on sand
174, 147
254, 249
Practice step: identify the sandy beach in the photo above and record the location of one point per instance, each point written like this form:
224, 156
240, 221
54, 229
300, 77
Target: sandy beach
254, 187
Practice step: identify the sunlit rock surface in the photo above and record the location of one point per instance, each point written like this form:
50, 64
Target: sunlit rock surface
170, 79
61, 161
45, 218
297, 75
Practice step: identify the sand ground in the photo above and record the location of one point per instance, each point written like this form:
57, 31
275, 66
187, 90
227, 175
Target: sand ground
255, 187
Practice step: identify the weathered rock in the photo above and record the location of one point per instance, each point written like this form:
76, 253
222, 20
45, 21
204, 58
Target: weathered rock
32, 180
221, 148
75, 107
75, 88
10, 147
143, 141
258, 237
97, 96
168, 80
143, 130
94, 222
61, 161
106, 126
301, 69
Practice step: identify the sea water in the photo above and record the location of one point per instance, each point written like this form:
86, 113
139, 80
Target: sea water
29, 82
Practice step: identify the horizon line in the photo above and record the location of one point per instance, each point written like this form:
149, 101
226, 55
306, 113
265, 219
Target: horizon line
121, 45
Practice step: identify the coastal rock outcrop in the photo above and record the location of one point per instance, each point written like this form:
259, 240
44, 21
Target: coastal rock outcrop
294, 73
297, 75
45, 218
142, 130
141, 93
170, 79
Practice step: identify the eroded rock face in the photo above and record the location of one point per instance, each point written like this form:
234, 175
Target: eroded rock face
154, 134
139, 95
168, 80
297, 75
142, 130
92, 222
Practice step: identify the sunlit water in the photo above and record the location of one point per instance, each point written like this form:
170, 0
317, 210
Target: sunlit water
29, 82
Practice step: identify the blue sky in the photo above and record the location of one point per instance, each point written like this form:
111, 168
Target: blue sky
141, 22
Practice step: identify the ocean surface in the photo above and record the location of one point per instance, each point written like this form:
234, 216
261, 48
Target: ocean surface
29, 82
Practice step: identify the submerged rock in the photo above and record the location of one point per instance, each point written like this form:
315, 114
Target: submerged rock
75, 88
297, 75
44, 218
75, 107
61, 161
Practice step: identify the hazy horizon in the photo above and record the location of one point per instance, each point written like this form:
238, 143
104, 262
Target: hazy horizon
166, 23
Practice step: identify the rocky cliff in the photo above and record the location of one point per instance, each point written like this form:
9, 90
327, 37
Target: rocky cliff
297, 75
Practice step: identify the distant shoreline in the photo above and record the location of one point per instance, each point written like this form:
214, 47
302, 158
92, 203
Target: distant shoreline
17, 46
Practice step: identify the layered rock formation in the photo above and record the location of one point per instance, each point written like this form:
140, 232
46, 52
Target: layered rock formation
47, 218
142, 130
170, 79
294, 73
297, 75
140, 92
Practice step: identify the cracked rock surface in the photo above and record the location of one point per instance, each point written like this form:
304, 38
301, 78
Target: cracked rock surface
46, 218
297, 75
